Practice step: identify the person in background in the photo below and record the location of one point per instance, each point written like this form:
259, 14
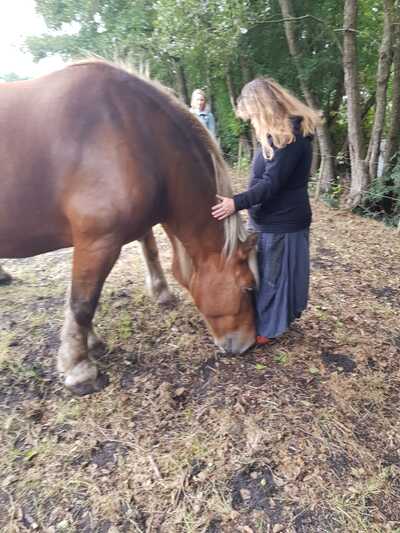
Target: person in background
278, 202
199, 107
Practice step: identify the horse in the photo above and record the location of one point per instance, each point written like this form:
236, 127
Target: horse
92, 157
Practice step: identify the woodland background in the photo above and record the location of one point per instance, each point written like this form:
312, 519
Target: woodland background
341, 56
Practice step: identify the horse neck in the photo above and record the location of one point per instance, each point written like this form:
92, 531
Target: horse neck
201, 241
195, 246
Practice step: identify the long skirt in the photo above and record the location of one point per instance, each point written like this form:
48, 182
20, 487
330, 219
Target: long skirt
284, 266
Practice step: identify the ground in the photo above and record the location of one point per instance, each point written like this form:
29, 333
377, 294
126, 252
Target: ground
301, 436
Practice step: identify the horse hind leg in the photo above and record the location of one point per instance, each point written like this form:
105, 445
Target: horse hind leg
5, 278
156, 283
91, 265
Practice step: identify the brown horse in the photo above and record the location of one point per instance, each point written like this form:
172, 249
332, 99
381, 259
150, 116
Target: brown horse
93, 157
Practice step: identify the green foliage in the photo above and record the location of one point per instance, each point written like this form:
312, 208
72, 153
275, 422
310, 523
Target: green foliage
333, 196
382, 200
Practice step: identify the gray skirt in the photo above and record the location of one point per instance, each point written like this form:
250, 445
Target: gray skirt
284, 266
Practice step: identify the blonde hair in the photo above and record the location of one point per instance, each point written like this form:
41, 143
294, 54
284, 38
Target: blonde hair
195, 93
270, 108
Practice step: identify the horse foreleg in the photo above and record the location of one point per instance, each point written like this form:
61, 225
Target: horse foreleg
91, 265
5, 278
156, 283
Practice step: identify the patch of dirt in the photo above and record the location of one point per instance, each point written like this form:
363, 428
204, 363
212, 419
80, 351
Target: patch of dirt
253, 487
337, 361
318, 521
388, 294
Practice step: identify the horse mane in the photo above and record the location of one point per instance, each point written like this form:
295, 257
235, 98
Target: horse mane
234, 228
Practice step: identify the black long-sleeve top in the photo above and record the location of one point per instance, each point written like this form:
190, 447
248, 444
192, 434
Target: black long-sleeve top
277, 197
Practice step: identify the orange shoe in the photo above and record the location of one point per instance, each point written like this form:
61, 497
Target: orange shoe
262, 341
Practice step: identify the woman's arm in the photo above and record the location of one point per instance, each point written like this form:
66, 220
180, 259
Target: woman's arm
275, 175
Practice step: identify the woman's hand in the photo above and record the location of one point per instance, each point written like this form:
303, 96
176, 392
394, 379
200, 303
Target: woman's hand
224, 208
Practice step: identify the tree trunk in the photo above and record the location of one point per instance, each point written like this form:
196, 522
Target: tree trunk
209, 89
231, 89
370, 102
316, 160
181, 82
381, 89
393, 139
359, 176
324, 140
246, 70
246, 77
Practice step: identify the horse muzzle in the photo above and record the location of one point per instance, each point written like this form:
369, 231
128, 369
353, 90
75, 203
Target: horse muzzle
235, 343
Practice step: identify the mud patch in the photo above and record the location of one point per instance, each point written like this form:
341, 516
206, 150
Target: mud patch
105, 454
340, 464
338, 361
252, 489
387, 294
214, 526
317, 521
390, 458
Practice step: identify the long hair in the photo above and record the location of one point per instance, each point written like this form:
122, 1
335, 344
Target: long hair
270, 108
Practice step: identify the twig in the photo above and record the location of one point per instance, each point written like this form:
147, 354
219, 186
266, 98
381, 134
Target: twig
294, 19
155, 467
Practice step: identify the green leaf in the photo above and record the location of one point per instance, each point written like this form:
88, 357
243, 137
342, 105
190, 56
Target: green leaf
281, 358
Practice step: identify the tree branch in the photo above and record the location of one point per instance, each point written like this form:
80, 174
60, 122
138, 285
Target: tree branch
303, 17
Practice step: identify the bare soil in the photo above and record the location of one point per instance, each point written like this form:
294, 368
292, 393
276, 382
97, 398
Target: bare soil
301, 436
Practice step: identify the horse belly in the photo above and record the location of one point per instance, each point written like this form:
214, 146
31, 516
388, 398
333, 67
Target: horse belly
29, 225
23, 242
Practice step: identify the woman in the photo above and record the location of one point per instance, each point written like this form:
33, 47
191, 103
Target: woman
199, 108
278, 202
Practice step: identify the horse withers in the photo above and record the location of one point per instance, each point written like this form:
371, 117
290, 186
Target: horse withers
93, 157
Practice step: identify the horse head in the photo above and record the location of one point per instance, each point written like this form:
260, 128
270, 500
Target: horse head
222, 289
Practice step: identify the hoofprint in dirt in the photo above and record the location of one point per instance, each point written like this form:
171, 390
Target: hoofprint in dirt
301, 436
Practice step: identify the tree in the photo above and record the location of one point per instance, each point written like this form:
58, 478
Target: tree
393, 138
385, 56
359, 177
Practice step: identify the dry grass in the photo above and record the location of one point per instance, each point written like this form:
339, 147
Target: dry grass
301, 437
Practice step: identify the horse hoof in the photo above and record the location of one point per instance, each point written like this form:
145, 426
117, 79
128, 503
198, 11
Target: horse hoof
166, 299
90, 387
5, 279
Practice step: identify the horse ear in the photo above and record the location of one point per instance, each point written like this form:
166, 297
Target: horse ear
248, 245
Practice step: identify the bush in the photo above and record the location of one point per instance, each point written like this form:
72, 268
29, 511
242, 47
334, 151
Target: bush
382, 200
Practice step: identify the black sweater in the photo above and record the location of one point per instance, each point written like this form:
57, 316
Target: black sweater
277, 197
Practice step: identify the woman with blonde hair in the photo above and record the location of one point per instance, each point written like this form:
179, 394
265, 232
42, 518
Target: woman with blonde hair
278, 202
198, 106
